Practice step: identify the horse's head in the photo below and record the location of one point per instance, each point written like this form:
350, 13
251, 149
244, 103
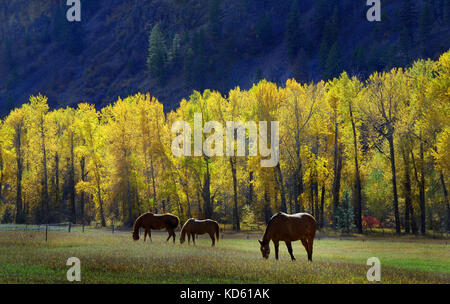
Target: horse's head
265, 249
135, 235
182, 238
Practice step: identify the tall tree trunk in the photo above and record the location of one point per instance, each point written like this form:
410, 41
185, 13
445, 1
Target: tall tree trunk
19, 213
130, 213
447, 204
206, 193
422, 191
102, 215
298, 180
236, 224
200, 211
394, 183
337, 169
57, 194
283, 206
311, 196
250, 189
45, 196
266, 209
153, 183
358, 196
336, 184
315, 184
407, 189
322, 205
316, 200
99, 195
72, 180
189, 212
83, 178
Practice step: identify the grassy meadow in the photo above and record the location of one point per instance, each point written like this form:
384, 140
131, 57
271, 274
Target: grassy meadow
25, 257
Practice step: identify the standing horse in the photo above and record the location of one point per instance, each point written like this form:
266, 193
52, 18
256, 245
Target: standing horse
289, 228
193, 227
150, 221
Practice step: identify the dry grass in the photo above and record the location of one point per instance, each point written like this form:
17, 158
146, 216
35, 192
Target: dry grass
107, 258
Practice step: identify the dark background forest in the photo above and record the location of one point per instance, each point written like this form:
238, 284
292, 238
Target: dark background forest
203, 44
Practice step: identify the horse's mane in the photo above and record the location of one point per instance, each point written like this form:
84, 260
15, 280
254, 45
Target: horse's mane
184, 226
269, 224
274, 216
137, 222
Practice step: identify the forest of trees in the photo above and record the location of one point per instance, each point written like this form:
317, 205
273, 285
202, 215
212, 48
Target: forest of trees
382, 144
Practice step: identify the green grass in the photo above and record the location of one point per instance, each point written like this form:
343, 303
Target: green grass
105, 258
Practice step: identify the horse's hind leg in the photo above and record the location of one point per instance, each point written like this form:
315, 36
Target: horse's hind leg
310, 248
150, 235
212, 239
306, 245
193, 238
289, 248
171, 234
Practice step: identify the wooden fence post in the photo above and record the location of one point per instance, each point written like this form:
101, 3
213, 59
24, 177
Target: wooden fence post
83, 228
46, 233
113, 228
70, 226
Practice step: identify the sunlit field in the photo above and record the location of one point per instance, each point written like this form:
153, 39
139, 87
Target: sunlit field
25, 257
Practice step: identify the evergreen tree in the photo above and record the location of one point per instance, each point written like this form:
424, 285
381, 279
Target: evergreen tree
344, 216
157, 57
215, 25
333, 65
174, 55
321, 14
188, 67
408, 18
425, 25
69, 35
264, 31
329, 38
293, 31
446, 12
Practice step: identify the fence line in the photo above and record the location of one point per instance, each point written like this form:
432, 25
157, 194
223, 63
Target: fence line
54, 227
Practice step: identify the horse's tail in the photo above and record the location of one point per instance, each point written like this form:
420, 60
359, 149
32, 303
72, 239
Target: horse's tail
217, 231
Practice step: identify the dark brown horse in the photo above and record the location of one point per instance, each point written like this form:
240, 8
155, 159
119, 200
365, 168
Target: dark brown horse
150, 221
193, 227
289, 228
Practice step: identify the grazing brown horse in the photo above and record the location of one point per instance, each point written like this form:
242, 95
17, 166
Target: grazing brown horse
150, 221
289, 228
193, 227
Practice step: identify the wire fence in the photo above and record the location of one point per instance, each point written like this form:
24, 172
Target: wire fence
58, 227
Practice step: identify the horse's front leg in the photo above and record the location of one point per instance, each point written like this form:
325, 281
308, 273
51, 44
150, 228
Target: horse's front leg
193, 238
276, 244
289, 248
150, 235
145, 234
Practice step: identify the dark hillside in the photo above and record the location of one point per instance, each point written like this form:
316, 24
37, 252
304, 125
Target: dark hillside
214, 44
